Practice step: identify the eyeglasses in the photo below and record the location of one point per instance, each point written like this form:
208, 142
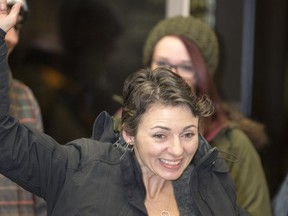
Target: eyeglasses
185, 67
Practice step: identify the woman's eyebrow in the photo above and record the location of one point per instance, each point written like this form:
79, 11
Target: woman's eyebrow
168, 129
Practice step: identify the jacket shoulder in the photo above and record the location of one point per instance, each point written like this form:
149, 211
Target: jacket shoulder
233, 140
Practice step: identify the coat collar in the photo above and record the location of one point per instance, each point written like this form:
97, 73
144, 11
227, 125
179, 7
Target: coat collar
103, 128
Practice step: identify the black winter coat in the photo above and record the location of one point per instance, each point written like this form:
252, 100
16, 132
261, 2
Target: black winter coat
99, 176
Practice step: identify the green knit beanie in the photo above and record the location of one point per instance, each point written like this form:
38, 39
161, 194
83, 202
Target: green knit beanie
192, 28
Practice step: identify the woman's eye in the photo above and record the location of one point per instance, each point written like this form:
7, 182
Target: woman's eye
162, 64
159, 136
187, 68
188, 135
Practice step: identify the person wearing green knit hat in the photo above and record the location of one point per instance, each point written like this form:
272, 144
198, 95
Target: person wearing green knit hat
191, 28
190, 48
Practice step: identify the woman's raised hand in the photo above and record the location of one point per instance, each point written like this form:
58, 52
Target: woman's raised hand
8, 20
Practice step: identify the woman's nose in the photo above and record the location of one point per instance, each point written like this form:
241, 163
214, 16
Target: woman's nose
176, 147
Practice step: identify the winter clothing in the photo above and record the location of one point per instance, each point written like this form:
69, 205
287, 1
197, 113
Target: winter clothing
256, 131
99, 176
245, 168
14, 200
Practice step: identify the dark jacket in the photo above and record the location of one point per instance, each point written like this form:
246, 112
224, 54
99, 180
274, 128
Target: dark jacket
100, 176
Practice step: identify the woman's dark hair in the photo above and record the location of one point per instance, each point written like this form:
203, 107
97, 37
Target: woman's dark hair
204, 84
160, 86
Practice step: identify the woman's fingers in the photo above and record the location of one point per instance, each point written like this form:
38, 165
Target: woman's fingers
7, 21
15, 9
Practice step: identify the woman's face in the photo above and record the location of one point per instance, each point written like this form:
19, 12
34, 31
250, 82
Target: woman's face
166, 141
171, 52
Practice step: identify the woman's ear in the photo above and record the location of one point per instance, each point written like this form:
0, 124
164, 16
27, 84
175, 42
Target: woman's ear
128, 139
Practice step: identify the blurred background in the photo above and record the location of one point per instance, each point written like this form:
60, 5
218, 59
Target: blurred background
75, 55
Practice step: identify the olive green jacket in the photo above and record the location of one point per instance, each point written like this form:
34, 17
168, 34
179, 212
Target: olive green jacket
246, 170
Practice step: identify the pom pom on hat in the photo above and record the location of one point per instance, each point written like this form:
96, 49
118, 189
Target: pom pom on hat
190, 27
23, 2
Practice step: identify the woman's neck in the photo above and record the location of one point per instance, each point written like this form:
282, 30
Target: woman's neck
155, 186
160, 199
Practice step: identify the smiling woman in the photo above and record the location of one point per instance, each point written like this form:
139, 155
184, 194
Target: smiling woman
171, 170
164, 152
